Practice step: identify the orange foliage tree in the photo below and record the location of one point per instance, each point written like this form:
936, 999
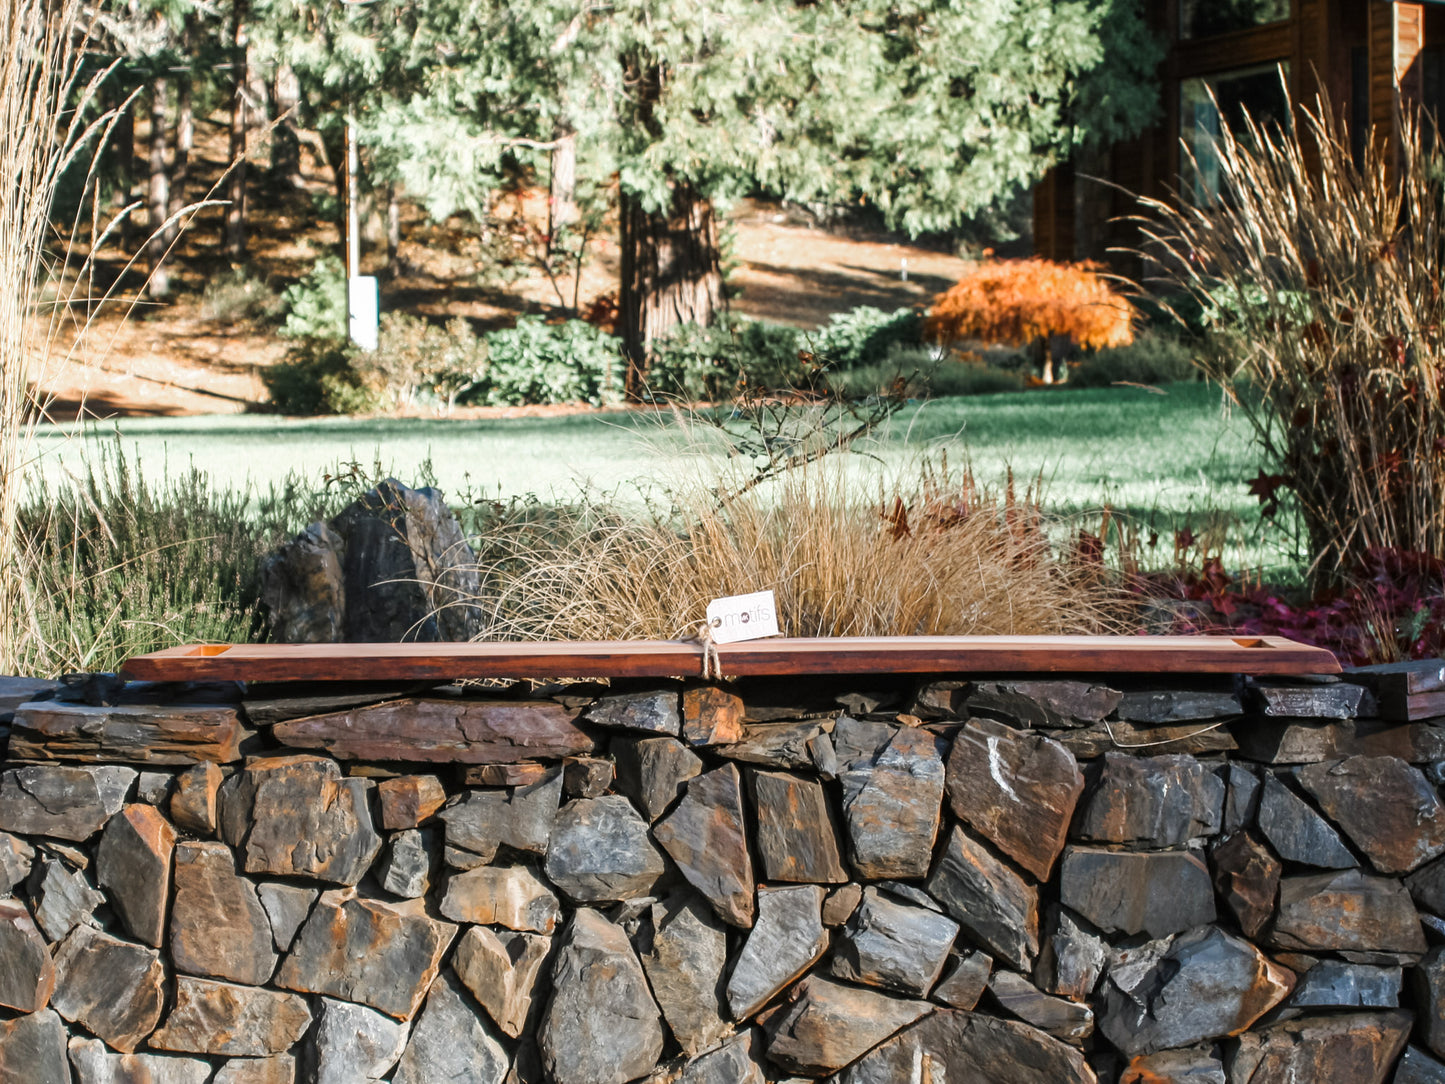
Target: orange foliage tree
1030, 302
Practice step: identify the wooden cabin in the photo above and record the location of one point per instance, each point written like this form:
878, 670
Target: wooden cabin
1367, 56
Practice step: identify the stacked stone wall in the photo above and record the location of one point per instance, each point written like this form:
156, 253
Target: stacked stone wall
863, 880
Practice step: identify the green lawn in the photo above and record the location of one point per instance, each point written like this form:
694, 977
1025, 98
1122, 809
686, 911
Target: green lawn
1176, 457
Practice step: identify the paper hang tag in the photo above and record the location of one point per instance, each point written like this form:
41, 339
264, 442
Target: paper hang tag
743, 617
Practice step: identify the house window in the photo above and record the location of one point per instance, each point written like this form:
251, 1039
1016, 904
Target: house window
1208, 103
1203, 18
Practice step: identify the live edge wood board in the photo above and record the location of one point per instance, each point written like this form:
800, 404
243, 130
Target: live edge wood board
1256, 655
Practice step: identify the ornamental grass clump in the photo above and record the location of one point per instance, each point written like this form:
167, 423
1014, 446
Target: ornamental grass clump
1321, 281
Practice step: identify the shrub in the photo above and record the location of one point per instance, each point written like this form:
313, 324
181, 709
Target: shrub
537, 362
1152, 358
417, 361
1322, 282
1030, 302
317, 377
926, 377
317, 306
237, 298
865, 336
696, 363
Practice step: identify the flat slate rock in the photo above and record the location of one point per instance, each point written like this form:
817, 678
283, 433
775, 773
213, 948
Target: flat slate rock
1048, 703
277, 1069
1057, 1016
1296, 830
1192, 1065
653, 771
893, 782
16, 859
451, 1043
1358, 1047
1071, 957
587, 777
32, 1048
521, 818
443, 731
1241, 797
1017, 790
409, 801
1157, 802
1337, 700
711, 716
267, 704
223, 1018
778, 745
407, 864
379, 954
67, 802
304, 819
355, 1044
736, 1061
510, 896
787, 939
1159, 707
219, 929
655, 712
1246, 876
797, 836
994, 905
133, 864
1428, 983
601, 1025
1397, 835
287, 907
1337, 984
195, 805
1130, 892
969, 1048
894, 946
142, 734
501, 968
1418, 1067
95, 1064
824, 1025
62, 898
964, 979
706, 835
27, 974
110, 987
1293, 741
1206, 984
600, 850
1416, 743
1195, 739
1346, 911
684, 961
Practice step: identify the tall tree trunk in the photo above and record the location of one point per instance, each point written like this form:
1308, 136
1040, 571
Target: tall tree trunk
562, 187
393, 229
124, 143
158, 193
184, 141
285, 143
234, 243
671, 274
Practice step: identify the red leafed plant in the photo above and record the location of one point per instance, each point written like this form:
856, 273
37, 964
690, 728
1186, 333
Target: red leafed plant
1028, 302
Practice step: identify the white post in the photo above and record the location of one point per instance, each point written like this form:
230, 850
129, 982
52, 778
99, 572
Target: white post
363, 301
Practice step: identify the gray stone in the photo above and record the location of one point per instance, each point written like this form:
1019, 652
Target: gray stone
1246, 876
1193, 739
140, 733
787, 939
522, 818
1418, 1067
305, 820
1346, 912
63, 899
1205, 985
656, 712
67, 802
840, 904
303, 588
133, 864
1130, 892
1297, 832
355, 1044
27, 975
1193, 1065
154, 788
1356, 1047
1017, 790
380, 954
600, 850
1048, 703
94, 1064
1428, 981
1427, 886
893, 782
911, 893
277, 1069
1158, 707
1340, 985
32, 1049
1397, 835
287, 907
894, 946
797, 837
685, 965
1294, 741
16, 857
778, 745
1416, 743
195, 803
218, 927
653, 771
825, 1025
1056, 1016
964, 979
996, 906
451, 1043
406, 867
222, 1018
1071, 958
110, 987
1161, 801
500, 968
510, 896
735, 1062
1334, 701
1241, 798
408, 801
969, 1048
706, 835
587, 777
602, 1025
